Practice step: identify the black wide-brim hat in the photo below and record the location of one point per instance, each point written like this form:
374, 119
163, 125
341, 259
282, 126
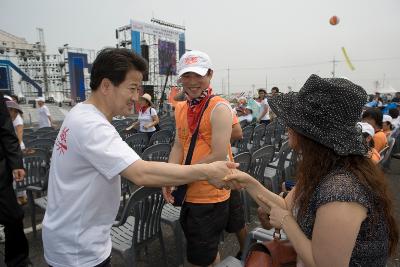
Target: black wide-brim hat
325, 110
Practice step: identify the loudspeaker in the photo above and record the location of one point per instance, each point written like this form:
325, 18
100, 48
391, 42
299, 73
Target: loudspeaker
148, 89
145, 55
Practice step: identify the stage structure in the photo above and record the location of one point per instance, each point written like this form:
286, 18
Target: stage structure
75, 66
27, 71
13, 78
161, 44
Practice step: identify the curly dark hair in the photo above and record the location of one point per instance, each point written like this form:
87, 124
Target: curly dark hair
316, 161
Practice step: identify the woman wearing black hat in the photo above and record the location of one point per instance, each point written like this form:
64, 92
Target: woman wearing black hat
340, 212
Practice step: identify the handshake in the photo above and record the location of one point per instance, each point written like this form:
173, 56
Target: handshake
220, 174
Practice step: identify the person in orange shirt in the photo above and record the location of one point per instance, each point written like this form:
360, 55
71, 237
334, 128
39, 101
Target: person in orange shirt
374, 117
205, 213
368, 134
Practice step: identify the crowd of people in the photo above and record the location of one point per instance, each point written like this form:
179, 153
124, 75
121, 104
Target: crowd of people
339, 211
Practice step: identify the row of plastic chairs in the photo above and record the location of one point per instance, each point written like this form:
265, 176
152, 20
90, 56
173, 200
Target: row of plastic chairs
258, 135
140, 141
271, 173
141, 218
37, 170
386, 153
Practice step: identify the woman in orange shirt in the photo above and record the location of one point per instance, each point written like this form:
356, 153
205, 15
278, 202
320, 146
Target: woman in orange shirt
374, 117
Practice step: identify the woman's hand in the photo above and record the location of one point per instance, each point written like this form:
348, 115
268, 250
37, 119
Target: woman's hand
238, 179
277, 215
217, 172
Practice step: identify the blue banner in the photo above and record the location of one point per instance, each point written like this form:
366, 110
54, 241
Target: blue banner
76, 63
135, 38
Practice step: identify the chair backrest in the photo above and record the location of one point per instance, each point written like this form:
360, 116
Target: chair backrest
259, 161
382, 153
128, 121
290, 172
278, 132
280, 168
125, 134
45, 129
243, 123
120, 127
165, 120
161, 137
138, 142
247, 134
117, 122
28, 130
145, 205
269, 133
388, 152
49, 135
36, 170
157, 152
28, 137
244, 160
168, 126
282, 155
258, 134
46, 144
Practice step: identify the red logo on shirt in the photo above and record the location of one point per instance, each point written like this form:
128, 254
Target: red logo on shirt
61, 142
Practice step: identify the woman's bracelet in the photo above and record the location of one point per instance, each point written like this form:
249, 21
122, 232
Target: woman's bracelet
283, 219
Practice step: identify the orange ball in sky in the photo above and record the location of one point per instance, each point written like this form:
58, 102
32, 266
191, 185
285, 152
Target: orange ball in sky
334, 20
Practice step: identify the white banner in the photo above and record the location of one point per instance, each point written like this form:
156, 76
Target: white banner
154, 30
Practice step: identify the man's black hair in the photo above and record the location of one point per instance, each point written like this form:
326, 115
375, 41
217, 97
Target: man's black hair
114, 64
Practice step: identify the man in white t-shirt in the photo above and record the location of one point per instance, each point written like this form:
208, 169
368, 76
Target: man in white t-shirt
264, 111
88, 158
44, 117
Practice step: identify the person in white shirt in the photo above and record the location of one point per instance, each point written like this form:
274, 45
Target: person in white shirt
44, 117
264, 111
147, 119
88, 158
394, 113
247, 115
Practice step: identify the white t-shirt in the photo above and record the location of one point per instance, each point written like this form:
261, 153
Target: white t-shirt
264, 105
396, 122
43, 113
248, 118
19, 121
84, 189
145, 118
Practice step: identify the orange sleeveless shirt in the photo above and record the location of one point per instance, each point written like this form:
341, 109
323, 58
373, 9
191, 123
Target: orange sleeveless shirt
201, 191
